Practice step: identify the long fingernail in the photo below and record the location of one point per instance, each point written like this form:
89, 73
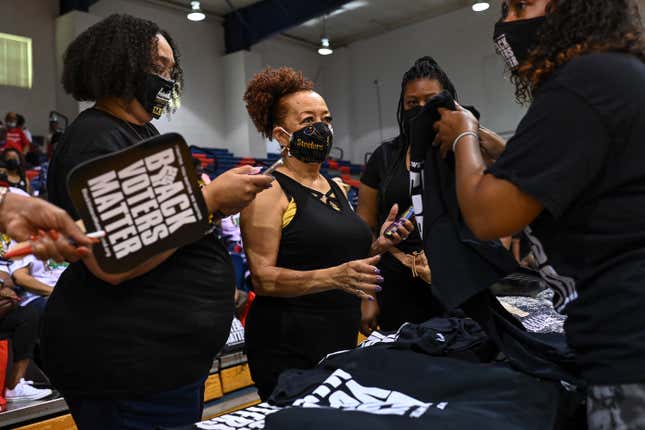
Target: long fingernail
268, 186
256, 170
378, 288
370, 298
377, 271
53, 234
33, 238
379, 279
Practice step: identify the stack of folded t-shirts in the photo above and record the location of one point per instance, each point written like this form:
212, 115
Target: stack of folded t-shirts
427, 375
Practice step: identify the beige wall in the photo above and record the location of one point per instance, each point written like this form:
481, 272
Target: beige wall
34, 19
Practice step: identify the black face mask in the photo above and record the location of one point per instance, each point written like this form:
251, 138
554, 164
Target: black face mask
155, 94
514, 40
407, 117
12, 164
312, 143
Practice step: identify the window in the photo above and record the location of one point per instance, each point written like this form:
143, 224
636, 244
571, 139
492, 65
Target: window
15, 61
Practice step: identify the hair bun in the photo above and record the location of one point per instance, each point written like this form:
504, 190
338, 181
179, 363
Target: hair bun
266, 89
427, 59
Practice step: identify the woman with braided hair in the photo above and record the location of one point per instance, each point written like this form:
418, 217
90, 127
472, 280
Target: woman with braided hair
407, 294
572, 177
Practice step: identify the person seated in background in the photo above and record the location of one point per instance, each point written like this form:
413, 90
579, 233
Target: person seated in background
14, 170
37, 279
312, 259
20, 324
15, 137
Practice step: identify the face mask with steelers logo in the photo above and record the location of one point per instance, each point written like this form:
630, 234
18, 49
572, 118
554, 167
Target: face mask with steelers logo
312, 143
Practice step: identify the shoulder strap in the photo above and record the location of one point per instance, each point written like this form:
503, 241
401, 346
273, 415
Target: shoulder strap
286, 183
340, 195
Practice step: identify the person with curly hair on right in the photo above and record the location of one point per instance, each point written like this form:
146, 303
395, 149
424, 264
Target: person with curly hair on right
132, 350
312, 259
572, 177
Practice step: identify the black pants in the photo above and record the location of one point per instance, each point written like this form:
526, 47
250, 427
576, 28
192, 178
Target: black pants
21, 326
279, 338
181, 406
404, 298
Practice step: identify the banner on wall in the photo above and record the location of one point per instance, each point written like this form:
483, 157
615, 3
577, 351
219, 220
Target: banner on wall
146, 198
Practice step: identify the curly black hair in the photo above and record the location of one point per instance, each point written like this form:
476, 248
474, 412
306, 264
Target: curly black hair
424, 68
574, 28
112, 57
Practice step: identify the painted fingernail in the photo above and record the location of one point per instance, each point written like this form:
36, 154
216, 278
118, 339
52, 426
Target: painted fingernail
41, 233
377, 271
53, 234
256, 170
370, 298
33, 238
378, 288
269, 186
379, 279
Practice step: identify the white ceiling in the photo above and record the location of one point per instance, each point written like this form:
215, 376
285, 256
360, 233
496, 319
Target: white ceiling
215, 7
358, 19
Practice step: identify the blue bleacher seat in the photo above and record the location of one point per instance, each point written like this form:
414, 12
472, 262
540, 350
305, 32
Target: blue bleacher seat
225, 160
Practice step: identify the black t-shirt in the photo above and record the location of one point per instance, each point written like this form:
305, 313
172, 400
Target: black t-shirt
386, 171
390, 388
580, 151
153, 333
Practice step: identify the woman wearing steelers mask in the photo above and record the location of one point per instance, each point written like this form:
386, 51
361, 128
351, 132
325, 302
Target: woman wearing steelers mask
132, 349
312, 259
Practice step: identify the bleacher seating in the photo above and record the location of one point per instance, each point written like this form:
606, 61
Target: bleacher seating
216, 161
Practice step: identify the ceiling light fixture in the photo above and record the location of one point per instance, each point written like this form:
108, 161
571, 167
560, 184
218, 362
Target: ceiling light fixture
325, 45
325, 48
196, 13
480, 6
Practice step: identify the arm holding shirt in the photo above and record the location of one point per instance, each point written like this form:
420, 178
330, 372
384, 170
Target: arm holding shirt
559, 147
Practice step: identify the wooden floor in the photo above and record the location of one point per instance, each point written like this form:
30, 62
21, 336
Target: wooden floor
226, 391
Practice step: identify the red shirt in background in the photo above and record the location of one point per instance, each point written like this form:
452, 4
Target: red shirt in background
16, 139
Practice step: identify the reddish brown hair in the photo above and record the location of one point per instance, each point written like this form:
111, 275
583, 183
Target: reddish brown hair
264, 93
